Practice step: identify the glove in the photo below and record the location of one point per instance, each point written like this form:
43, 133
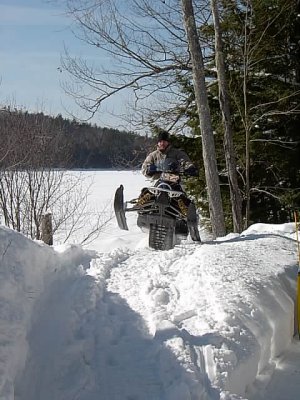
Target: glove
191, 171
151, 169
173, 166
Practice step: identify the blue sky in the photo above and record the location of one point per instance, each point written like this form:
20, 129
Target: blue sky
32, 38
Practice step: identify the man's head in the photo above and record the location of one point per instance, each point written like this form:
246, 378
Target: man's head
163, 140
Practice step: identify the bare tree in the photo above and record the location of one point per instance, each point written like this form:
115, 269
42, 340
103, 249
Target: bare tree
31, 184
148, 43
209, 156
144, 41
143, 53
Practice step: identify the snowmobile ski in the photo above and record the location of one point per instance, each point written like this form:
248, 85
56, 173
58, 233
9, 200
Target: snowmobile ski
119, 208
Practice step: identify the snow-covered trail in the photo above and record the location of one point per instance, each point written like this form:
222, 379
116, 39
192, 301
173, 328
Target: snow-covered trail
89, 344
86, 343
198, 322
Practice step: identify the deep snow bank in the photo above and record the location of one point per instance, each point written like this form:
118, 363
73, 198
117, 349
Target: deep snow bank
27, 269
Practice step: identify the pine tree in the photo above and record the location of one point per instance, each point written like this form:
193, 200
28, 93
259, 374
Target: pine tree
261, 42
261, 48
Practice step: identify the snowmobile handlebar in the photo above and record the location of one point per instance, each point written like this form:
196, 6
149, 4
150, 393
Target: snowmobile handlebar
173, 168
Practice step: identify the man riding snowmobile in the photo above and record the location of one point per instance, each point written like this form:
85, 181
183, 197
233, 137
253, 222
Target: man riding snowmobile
163, 208
178, 160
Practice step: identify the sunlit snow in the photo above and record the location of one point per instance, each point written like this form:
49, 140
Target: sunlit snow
116, 320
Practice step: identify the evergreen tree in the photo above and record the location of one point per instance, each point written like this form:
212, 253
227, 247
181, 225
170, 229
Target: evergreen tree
261, 41
261, 51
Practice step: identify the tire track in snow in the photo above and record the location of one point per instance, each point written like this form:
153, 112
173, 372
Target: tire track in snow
154, 372
126, 356
86, 343
148, 282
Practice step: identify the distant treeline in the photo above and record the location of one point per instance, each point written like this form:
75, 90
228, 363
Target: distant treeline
28, 139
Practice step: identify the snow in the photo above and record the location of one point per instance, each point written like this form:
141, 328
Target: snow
116, 320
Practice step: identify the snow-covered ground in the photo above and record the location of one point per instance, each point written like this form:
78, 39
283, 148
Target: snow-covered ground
117, 320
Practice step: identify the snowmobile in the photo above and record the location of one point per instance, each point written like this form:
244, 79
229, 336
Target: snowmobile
160, 214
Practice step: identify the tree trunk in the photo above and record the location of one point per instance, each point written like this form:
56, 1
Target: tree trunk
235, 195
246, 54
209, 155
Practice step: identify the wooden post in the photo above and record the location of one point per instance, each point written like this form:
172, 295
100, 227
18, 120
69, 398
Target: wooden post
46, 228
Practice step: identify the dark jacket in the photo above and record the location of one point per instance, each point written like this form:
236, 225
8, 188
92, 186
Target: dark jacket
157, 156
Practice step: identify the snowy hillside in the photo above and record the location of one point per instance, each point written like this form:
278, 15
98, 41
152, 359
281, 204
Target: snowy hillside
211, 321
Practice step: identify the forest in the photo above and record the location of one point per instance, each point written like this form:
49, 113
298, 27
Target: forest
39, 140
